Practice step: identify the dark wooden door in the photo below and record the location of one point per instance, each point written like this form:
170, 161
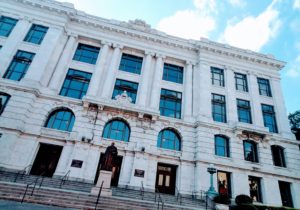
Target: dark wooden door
46, 160
166, 178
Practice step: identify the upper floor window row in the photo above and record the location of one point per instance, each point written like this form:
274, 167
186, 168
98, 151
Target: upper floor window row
264, 87
241, 82
19, 65
217, 76
173, 73
36, 34
86, 53
7, 25
131, 63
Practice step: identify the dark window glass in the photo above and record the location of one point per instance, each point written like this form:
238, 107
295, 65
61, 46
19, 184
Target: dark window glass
269, 117
173, 73
86, 53
170, 103
264, 87
224, 183
19, 65
7, 25
3, 101
169, 139
117, 129
36, 34
250, 151
75, 84
218, 108
62, 119
217, 76
131, 63
0, 47
123, 85
278, 155
285, 192
241, 82
244, 111
255, 188
221, 146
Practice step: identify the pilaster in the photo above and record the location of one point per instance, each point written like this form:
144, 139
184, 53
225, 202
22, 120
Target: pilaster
188, 91
254, 93
231, 106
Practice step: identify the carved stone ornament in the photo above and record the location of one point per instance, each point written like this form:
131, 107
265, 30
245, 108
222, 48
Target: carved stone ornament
123, 99
251, 135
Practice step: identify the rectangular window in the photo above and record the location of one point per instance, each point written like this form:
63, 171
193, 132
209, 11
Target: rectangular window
217, 76
7, 25
250, 151
224, 183
36, 34
241, 82
269, 117
19, 65
278, 156
86, 53
3, 101
221, 146
244, 111
264, 87
173, 73
255, 188
122, 86
285, 192
218, 108
76, 84
131, 63
170, 103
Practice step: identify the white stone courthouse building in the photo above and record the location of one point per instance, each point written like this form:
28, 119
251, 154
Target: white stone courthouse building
73, 83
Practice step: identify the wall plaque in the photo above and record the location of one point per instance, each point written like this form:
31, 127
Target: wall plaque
139, 173
76, 163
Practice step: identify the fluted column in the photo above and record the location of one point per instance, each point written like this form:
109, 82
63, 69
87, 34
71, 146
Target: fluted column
188, 92
111, 73
61, 68
231, 106
12, 42
144, 85
98, 72
43, 57
156, 86
253, 90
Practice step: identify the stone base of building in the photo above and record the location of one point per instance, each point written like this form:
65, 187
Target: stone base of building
105, 177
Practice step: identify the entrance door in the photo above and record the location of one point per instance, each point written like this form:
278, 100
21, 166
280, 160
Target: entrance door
115, 170
46, 160
166, 178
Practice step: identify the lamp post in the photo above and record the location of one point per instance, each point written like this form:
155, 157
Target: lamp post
211, 191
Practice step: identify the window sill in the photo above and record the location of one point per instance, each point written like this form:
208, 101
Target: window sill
169, 152
59, 134
223, 157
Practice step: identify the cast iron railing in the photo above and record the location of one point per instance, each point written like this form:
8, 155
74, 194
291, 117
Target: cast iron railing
178, 196
159, 199
142, 190
34, 183
64, 179
99, 194
22, 172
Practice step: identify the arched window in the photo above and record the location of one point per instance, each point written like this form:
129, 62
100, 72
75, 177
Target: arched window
169, 139
222, 146
278, 155
250, 151
61, 119
117, 129
4, 97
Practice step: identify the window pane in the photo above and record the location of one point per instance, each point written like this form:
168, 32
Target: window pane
123, 85
36, 34
62, 119
170, 103
255, 189
7, 25
131, 63
86, 53
168, 139
117, 130
173, 73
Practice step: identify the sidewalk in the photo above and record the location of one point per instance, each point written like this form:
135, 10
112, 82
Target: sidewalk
13, 205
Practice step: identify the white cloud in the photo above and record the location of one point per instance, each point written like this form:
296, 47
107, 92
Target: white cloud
237, 3
296, 4
253, 32
294, 71
191, 24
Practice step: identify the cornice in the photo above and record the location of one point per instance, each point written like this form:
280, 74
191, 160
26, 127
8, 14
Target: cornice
140, 30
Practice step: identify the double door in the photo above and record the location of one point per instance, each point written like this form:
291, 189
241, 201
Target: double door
166, 178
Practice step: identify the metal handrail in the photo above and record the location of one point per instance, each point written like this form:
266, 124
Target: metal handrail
159, 199
65, 178
179, 196
142, 190
23, 172
99, 194
34, 183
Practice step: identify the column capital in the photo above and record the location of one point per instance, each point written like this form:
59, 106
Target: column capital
149, 53
158, 55
71, 34
26, 18
103, 42
188, 62
116, 45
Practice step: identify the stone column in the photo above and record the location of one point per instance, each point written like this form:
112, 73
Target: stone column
61, 68
98, 72
43, 57
256, 105
146, 78
12, 42
156, 86
111, 73
188, 91
280, 109
231, 106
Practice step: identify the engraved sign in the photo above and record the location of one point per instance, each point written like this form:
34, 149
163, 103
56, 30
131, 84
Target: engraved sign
76, 163
139, 173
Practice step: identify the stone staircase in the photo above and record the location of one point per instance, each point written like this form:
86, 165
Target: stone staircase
77, 195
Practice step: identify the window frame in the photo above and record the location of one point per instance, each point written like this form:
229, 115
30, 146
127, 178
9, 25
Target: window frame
131, 91
264, 87
32, 34
221, 102
160, 139
259, 189
169, 70
255, 152
243, 78
217, 76
128, 59
70, 121
107, 134
289, 195
165, 99
80, 55
225, 147
5, 103
12, 25
278, 152
268, 111
244, 108
228, 178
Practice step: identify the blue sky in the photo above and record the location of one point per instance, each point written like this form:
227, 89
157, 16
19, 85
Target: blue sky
266, 26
